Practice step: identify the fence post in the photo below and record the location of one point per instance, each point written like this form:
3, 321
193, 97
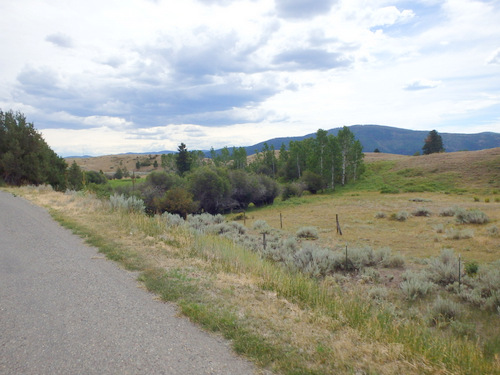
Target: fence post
281, 221
339, 231
264, 239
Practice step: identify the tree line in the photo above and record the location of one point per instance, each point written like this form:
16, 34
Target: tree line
188, 181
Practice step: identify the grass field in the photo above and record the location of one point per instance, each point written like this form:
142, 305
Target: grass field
347, 322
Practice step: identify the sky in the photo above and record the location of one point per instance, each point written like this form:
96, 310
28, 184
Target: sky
106, 77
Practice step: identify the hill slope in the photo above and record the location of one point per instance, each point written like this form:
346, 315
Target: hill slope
398, 141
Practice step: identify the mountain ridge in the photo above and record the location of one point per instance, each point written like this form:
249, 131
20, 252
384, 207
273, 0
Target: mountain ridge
386, 139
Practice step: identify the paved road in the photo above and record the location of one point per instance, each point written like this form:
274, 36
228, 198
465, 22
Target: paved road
66, 310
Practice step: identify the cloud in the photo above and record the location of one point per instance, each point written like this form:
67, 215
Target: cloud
494, 58
302, 9
422, 84
60, 40
311, 59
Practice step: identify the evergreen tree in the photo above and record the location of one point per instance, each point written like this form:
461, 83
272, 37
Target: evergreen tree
183, 160
25, 157
75, 177
433, 143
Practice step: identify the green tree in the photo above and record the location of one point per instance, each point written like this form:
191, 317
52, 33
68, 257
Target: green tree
75, 177
346, 142
183, 160
179, 201
433, 143
118, 174
25, 157
211, 187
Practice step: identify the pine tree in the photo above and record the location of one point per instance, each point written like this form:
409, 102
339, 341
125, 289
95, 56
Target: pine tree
433, 143
183, 160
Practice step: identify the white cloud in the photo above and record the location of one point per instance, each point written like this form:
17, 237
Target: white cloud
422, 84
494, 58
137, 73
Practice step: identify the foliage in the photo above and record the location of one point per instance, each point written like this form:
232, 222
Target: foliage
179, 201
183, 161
75, 177
25, 157
313, 182
433, 143
211, 187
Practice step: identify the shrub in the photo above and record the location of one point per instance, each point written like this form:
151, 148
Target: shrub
380, 215
317, 262
378, 293
439, 228
313, 182
471, 268
130, 204
448, 212
422, 211
172, 220
293, 189
493, 231
389, 190
400, 216
459, 234
471, 217
444, 269
310, 233
261, 226
415, 285
443, 310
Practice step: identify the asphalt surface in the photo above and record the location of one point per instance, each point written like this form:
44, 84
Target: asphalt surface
66, 310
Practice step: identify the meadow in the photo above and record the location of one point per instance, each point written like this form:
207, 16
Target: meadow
411, 286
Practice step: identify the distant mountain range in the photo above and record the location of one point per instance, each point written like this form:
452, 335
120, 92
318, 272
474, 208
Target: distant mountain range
392, 140
386, 139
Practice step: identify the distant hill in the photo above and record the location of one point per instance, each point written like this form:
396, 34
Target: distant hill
398, 141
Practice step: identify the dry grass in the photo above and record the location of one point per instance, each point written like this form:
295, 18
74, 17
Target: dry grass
415, 237
312, 338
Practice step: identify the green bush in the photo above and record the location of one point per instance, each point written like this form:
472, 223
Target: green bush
471, 268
